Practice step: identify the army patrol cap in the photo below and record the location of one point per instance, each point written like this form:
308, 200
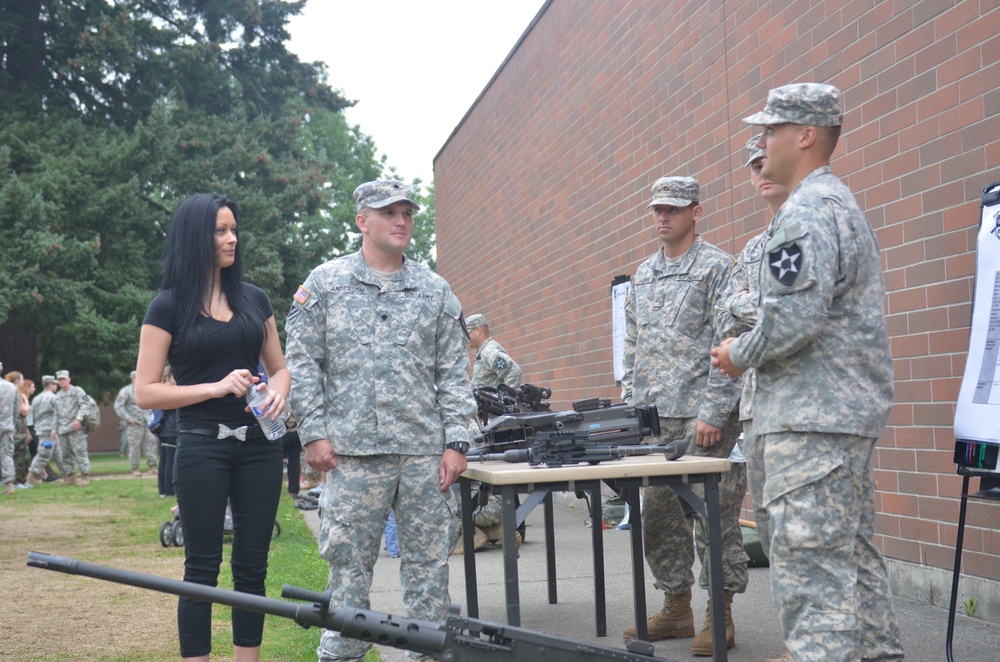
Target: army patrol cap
60, 374
753, 152
473, 322
47, 379
809, 104
674, 192
382, 193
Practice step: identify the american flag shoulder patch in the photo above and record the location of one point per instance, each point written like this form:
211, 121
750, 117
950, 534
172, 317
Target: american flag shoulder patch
302, 295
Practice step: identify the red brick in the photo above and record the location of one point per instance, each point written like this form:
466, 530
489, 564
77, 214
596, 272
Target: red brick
899, 504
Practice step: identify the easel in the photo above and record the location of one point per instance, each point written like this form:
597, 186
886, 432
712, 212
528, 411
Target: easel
989, 489
977, 434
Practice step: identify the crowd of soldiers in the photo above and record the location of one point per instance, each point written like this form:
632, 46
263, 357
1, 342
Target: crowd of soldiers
50, 428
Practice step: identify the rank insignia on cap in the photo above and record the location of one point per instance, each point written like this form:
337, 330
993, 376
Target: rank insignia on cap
302, 295
786, 263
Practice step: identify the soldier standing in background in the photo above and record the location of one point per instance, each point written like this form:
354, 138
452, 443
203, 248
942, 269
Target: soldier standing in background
10, 409
71, 407
493, 367
140, 439
43, 410
824, 390
669, 330
378, 356
493, 364
737, 315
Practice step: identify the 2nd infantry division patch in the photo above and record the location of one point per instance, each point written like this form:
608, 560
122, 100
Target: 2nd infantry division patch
786, 264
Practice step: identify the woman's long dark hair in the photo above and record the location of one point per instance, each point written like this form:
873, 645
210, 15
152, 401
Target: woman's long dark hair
190, 266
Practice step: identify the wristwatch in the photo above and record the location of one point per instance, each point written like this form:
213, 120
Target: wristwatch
460, 446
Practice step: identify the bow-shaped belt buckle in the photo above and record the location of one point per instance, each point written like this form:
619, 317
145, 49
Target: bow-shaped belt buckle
225, 432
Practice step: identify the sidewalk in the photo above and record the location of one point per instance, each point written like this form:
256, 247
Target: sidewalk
757, 633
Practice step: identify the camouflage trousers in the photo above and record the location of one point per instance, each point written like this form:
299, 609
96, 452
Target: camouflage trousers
6, 457
355, 505
47, 449
141, 442
667, 531
827, 578
74, 452
753, 448
22, 456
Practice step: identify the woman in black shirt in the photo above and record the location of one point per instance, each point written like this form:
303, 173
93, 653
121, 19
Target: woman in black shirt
213, 329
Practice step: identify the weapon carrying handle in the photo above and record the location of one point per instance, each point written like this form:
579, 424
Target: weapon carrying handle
304, 594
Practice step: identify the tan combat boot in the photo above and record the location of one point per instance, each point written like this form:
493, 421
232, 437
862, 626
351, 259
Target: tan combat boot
34, 478
494, 533
702, 644
83, 480
479, 540
781, 657
8, 488
69, 479
674, 621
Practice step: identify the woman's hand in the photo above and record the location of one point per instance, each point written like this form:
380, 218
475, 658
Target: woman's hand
274, 405
238, 382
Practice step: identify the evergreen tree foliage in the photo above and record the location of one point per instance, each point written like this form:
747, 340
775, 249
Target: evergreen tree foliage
115, 111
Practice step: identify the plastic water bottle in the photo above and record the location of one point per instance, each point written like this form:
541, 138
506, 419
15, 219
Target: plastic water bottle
273, 429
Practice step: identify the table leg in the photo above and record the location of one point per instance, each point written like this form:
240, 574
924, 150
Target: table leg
631, 497
469, 549
508, 515
597, 535
550, 548
715, 578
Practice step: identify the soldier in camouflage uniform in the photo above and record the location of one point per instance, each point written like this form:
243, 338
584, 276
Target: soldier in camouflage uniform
493, 364
670, 328
10, 409
71, 407
824, 390
140, 439
43, 411
378, 356
737, 315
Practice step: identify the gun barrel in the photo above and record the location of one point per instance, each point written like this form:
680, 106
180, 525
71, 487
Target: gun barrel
406, 633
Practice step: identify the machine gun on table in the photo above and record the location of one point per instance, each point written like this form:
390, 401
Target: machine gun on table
594, 431
497, 401
458, 639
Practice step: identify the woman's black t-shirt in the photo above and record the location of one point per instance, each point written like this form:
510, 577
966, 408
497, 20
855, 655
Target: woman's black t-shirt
222, 348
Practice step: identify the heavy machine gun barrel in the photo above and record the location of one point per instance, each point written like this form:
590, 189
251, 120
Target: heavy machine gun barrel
458, 639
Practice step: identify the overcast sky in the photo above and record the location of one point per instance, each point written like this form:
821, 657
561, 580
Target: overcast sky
414, 68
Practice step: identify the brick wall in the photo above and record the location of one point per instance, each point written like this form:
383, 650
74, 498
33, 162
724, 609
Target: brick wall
541, 193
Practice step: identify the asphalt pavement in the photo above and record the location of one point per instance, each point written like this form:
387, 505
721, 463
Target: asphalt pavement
758, 635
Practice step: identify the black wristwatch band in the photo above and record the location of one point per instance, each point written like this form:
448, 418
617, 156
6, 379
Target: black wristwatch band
460, 446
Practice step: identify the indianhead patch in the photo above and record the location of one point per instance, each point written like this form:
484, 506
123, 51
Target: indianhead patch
786, 263
302, 295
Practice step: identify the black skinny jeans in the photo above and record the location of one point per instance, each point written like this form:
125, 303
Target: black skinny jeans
207, 472
292, 448
165, 467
